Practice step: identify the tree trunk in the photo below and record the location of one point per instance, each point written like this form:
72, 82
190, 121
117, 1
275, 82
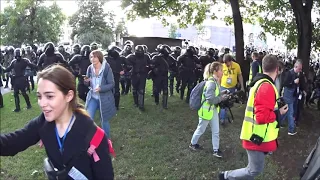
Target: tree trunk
238, 31
302, 14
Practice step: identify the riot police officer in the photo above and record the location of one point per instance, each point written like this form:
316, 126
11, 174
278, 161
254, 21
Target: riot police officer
63, 52
176, 53
50, 57
187, 67
94, 46
82, 62
8, 57
125, 79
18, 65
204, 60
117, 63
75, 50
32, 57
140, 63
161, 64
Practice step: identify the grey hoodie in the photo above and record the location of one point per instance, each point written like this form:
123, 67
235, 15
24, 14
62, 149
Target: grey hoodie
210, 90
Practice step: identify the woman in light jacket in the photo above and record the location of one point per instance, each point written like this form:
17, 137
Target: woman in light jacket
101, 84
211, 92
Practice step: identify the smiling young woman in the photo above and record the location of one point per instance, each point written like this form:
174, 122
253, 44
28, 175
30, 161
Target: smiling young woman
63, 127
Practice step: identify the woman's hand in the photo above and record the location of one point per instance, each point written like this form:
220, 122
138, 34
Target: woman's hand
97, 89
121, 72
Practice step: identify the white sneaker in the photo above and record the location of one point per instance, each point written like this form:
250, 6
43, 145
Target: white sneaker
292, 133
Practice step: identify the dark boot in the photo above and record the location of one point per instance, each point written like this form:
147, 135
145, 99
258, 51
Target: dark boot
165, 101
141, 101
135, 98
181, 94
117, 101
17, 102
171, 88
156, 98
1, 101
26, 98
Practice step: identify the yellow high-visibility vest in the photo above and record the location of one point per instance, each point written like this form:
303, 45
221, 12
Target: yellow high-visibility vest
269, 131
206, 110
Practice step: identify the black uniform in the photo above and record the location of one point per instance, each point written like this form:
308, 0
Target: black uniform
161, 64
1, 98
139, 62
29, 72
176, 53
187, 68
117, 63
125, 79
50, 57
81, 61
18, 66
8, 57
205, 60
63, 52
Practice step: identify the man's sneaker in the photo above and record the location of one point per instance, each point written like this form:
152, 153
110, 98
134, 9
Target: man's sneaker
194, 147
282, 126
217, 153
221, 176
292, 133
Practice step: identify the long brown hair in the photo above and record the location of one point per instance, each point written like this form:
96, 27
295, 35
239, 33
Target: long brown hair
65, 81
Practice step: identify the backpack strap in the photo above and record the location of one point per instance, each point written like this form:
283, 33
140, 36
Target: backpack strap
95, 142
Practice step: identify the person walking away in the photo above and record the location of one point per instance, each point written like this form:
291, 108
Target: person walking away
260, 128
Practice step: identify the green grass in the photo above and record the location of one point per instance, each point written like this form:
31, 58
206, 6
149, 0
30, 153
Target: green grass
149, 145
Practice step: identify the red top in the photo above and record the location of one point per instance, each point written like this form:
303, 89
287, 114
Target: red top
264, 111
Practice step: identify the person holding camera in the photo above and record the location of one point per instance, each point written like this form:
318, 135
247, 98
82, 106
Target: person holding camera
260, 126
291, 94
209, 111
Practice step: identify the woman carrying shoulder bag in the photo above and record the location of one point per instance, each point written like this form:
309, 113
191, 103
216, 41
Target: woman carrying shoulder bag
63, 127
209, 112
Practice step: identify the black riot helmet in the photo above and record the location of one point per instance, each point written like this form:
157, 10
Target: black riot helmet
76, 49
28, 49
226, 51
114, 51
128, 42
10, 49
93, 46
40, 51
61, 49
165, 50
17, 53
49, 48
145, 48
210, 52
128, 48
139, 50
85, 50
177, 50
191, 51
158, 47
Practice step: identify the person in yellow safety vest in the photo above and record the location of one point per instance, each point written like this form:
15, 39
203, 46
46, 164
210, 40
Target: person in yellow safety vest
255, 67
209, 111
260, 126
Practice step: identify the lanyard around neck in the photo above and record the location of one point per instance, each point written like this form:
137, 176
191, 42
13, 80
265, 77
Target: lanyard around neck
61, 144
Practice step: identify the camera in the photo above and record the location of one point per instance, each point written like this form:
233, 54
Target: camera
236, 97
281, 102
255, 139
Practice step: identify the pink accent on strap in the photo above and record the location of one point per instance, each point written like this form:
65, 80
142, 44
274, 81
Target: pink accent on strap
111, 150
92, 151
40, 143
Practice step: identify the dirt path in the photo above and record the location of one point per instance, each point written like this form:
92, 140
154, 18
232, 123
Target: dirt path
293, 150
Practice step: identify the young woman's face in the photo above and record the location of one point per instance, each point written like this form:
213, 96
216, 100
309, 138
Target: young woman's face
94, 60
51, 100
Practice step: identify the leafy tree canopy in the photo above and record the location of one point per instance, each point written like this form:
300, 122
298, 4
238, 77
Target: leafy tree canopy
29, 22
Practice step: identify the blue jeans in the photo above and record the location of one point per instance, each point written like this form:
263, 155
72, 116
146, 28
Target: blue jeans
93, 106
223, 111
289, 115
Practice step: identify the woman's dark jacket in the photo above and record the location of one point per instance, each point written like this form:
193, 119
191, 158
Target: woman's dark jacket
39, 128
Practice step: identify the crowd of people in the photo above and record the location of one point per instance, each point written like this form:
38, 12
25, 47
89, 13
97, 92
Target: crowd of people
103, 78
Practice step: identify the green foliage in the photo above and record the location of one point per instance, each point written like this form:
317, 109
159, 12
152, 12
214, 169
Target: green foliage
200, 30
121, 29
91, 22
187, 12
29, 21
173, 31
